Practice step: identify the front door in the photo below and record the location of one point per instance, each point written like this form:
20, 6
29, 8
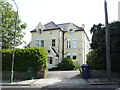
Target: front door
50, 62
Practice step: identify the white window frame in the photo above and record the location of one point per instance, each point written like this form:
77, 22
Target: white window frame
74, 43
42, 39
39, 31
42, 43
68, 43
53, 44
37, 44
71, 30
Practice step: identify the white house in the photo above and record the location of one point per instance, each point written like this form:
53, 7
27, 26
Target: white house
61, 40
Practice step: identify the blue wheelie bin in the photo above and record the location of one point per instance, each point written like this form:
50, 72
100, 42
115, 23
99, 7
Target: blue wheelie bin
85, 71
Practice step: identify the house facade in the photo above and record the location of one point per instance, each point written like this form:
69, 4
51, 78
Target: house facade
61, 40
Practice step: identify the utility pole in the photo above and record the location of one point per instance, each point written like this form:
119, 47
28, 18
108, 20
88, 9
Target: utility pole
119, 11
13, 55
107, 42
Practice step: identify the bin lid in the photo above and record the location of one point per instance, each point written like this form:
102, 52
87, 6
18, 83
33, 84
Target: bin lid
85, 65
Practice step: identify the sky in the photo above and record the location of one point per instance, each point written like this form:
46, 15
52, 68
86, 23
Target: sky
87, 12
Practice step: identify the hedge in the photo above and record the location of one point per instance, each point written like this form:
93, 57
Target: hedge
29, 57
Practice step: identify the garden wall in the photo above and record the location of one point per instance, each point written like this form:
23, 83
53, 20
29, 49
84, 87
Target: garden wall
102, 74
6, 75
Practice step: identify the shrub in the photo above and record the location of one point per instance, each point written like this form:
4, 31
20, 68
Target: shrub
29, 57
95, 62
76, 64
66, 64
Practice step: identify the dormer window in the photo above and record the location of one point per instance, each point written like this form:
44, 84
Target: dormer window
71, 30
50, 32
39, 31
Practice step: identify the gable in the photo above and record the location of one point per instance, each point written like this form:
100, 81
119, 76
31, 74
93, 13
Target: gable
51, 25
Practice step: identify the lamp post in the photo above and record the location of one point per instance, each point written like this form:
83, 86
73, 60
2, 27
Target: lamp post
107, 43
14, 43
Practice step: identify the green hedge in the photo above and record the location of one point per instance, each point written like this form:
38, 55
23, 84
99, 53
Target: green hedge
29, 57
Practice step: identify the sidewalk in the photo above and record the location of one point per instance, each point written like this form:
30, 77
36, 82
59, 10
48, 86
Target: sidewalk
63, 83
67, 80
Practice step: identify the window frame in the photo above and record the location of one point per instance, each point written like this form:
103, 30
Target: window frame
50, 60
42, 43
37, 43
74, 43
53, 42
68, 43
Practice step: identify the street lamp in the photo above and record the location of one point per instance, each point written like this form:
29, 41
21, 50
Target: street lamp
14, 43
107, 43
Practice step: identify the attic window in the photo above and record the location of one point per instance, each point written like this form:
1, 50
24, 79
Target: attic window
39, 30
71, 31
50, 32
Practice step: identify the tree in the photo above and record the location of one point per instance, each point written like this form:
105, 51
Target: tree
97, 57
7, 26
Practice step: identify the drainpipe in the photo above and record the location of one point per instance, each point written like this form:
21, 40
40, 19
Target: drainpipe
59, 47
63, 44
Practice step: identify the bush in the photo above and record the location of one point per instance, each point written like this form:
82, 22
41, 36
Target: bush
76, 64
66, 64
95, 62
30, 57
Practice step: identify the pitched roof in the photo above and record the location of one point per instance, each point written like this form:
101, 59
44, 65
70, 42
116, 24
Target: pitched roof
52, 26
64, 26
33, 30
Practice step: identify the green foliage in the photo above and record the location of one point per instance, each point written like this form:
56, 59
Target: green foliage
30, 57
97, 58
95, 61
7, 26
76, 64
66, 64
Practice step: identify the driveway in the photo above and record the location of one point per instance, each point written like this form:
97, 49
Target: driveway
63, 74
